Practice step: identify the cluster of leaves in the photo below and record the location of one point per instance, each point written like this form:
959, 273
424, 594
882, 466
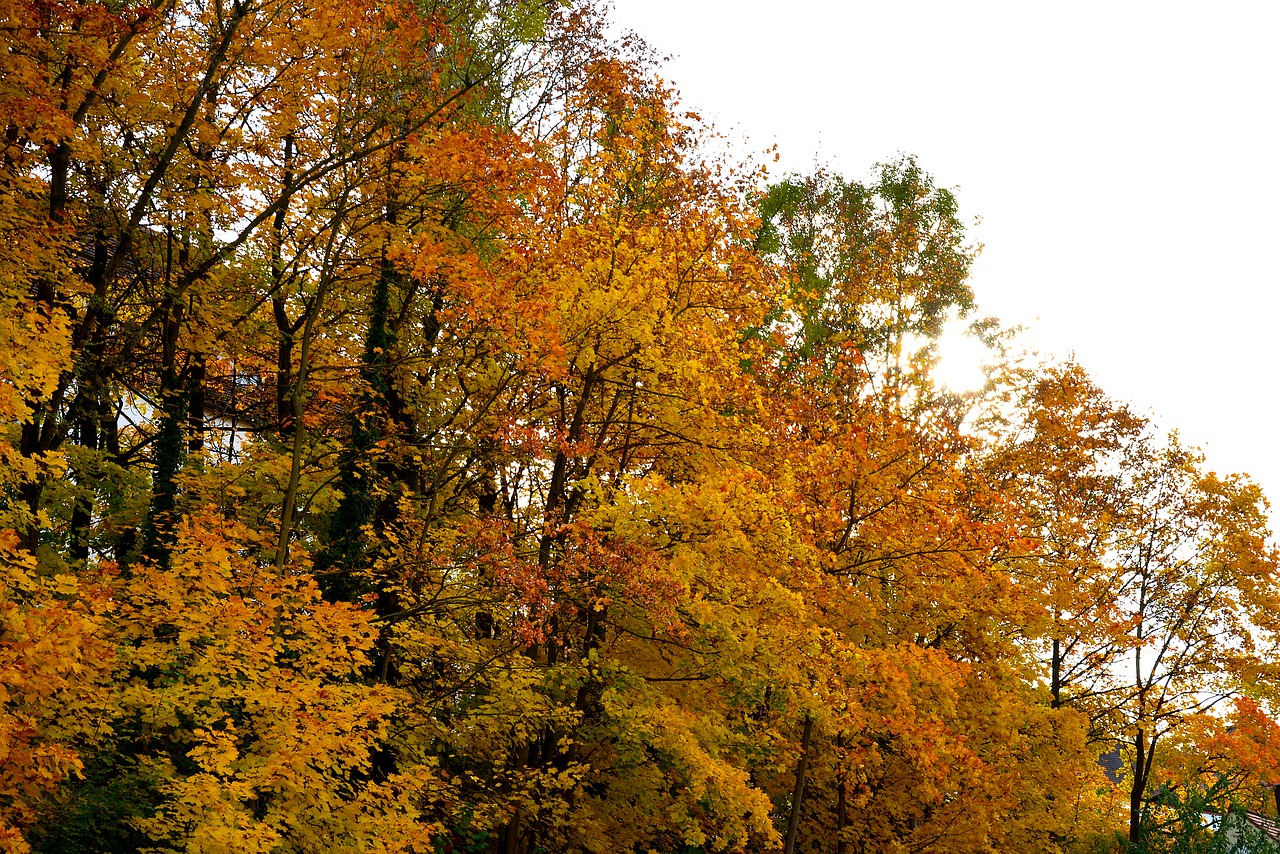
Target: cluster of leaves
411, 444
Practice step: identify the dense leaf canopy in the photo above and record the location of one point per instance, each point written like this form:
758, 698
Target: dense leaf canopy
413, 442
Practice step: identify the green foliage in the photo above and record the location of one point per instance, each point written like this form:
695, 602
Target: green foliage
97, 812
1198, 819
869, 263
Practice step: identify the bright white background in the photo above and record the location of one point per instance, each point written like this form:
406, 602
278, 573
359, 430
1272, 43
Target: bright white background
1122, 157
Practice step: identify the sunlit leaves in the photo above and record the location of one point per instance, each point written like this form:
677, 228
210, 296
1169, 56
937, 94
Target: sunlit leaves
414, 443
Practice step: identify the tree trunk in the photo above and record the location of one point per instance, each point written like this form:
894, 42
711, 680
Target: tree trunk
842, 802
284, 367
1136, 790
169, 446
797, 795
82, 511
1055, 684
286, 327
196, 404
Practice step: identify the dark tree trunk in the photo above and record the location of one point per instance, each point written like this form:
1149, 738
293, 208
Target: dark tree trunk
797, 794
287, 329
37, 434
195, 404
87, 436
169, 446
1138, 787
842, 799
1055, 684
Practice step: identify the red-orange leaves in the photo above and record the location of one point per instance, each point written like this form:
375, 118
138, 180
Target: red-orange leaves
55, 667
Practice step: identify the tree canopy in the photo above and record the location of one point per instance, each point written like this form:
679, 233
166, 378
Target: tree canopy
413, 441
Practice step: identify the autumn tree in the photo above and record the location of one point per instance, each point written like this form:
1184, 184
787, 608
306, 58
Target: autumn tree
1200, 593
1069, 453
921, 700
880, 265
1155, 574
174, 172
622, 301
412, 443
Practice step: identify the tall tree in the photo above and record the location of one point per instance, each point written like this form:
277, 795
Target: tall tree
880, 266
1200, 593
1069, 454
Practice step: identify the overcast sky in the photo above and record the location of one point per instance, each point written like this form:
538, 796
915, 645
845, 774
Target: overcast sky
1122, 157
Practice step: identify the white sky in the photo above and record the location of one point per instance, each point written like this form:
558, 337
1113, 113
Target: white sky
1122, 157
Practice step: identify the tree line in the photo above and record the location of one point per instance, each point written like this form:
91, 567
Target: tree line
412, 441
